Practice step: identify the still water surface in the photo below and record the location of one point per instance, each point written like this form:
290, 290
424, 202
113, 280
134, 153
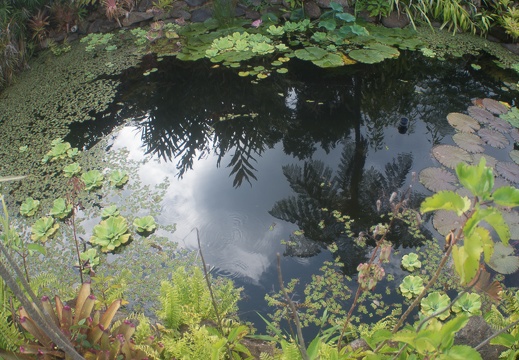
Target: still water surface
233, 149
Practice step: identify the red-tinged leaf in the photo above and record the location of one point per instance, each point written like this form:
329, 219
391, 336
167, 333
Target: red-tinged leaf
493, 138
450, 156
483, 116
495, 107
437, 179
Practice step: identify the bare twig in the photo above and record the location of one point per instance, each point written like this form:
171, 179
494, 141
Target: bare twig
301, 340
486, 341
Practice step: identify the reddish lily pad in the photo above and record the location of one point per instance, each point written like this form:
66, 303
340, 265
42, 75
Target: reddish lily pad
500, 125
437, 179
491, 161
444, 221
508, 170
470, 142
514, 155
493, 138
450, 156
481, 115
462, 122
495, 107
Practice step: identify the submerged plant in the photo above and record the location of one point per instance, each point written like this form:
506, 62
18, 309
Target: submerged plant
43, 229
92, 179
410, 262
145, 224
110, 233
29, 207
411, 286
60, 209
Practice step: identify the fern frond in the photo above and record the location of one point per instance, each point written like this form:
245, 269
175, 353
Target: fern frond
150, 352
266, 356
495, 318
10, 337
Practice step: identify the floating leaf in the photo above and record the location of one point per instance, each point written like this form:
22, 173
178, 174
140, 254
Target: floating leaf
92, 179
410, 262
469, 303
118, 178
329, 61
411, 286
491, 161
43, 229
470, 142
512, 219
500, 125
310, 53
508, 170
514, 155
503, 259
110, 211
512, 117
462, 122
72, 170
110, 233
145, 224
435, 302
437, 179
445, 221
450, 156
29, 207
481, 115
374, 54
495, 107
60, 209
493, 138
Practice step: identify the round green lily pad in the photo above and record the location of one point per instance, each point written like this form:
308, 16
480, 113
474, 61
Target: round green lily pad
462, 122
437, 179
493, 138
450, 156
470, 142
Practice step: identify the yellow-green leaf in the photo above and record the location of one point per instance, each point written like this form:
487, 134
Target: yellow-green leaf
446, 200
506, 196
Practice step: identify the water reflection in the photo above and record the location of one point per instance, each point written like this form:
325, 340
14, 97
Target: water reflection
287, 134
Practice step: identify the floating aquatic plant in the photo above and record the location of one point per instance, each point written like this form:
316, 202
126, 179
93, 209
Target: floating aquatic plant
92, 179
512, 116
469, 303
469, 142
145, 224
90, 259
483, 116
434, 302
411, 286
450, 156
437, 179
493, 138
29, 207
72, 170
463, 123
410, 262
508, 170
43, 229
60, 209
503, 259
110, 233
108, 211
60, 150
118, 178
494, 106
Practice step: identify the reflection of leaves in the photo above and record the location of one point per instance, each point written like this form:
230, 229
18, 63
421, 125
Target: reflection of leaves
241, 168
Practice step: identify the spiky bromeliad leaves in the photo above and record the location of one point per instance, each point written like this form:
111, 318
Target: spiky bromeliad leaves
111, 233
43, 229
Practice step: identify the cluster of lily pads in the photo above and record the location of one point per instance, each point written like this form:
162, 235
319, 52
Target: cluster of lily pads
110, 233
488, 124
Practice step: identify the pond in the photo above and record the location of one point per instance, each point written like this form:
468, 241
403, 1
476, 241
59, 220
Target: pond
252, 165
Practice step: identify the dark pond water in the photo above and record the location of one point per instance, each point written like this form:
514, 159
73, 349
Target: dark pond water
252, 163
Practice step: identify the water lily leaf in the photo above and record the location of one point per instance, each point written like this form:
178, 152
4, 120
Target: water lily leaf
515, 134
329, 24
491, 161
347, 17
493, 138
514, 155
500, 125
495, 107
310, 53
437, 179
330, 60
366, 56
503, 259
483, 116
445, 221
508, 170
462, 122
450, 156
470, 142
512, 219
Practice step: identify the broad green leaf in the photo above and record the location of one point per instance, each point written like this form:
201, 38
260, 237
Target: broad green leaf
506, 196
466, 267
473, 243
460, 352
60, 208
479, 179
450, 328
330, 60
310, 53
359, 30
329, 24
38, 248
504, 339
145, 224
29, 207
43, 229
446, 200
313, 348
336, 7
345, 17
468, 304
494, 218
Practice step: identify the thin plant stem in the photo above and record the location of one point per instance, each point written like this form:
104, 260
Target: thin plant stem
486, 341
213, 299
301, 340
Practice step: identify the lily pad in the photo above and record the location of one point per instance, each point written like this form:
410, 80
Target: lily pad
512, 219
462, 122
503, 261
436, 179
493, 138
483, 116
311, 53
444, 221
329, 60
515, 134
495, 107
508, 170
470, 142
450, 156
491, 161
500, 125
376, 53
514, 155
